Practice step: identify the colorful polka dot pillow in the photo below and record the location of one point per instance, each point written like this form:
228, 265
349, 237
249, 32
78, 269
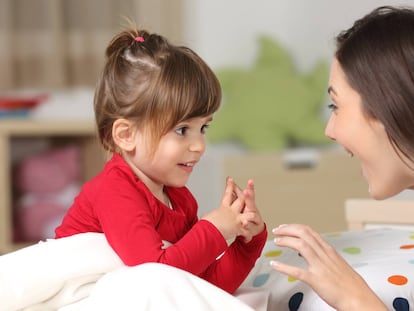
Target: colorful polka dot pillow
383, 257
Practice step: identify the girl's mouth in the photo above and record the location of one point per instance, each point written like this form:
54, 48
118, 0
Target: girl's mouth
188, 167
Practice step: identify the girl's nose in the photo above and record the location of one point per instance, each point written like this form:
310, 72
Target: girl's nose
198, 144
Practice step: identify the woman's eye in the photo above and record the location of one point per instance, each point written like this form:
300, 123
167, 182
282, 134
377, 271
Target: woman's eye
181, 131
204, 128
332, 107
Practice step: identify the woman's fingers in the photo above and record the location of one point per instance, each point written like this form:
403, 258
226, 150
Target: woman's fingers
301, 238
295, 272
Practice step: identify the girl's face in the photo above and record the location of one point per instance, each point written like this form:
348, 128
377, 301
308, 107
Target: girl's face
175, 157
365, 138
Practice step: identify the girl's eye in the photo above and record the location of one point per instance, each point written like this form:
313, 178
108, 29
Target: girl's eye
204, 128
332, 107
181, 131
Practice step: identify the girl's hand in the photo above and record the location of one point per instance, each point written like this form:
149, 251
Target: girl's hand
252, 220
228, 217
328, 274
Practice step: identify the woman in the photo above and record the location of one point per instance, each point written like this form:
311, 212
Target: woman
371, 87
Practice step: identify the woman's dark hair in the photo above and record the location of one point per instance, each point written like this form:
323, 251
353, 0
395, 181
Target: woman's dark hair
153, 83
377, 57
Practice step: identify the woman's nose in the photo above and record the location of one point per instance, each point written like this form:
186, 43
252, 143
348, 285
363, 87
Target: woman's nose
329, 129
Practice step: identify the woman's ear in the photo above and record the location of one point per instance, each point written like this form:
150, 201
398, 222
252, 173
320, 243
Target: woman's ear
123, 134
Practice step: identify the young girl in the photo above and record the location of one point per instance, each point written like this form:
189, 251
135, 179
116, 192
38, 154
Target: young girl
153, 105
371, 86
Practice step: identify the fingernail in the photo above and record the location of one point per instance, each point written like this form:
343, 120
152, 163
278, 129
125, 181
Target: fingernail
274, 263
278, 227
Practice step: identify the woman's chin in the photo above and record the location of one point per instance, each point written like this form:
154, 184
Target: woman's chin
381, 194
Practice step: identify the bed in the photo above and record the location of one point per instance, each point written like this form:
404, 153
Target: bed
83, 273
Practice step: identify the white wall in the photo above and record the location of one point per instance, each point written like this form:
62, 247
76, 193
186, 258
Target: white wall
224, 33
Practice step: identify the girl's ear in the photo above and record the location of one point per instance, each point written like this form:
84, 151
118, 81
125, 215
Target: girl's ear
123, 134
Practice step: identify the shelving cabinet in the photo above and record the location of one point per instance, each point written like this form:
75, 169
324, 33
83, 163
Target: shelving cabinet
78, 132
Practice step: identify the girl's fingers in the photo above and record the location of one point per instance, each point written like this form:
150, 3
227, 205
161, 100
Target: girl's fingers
249, 196
250, 188
228, 198
250, 217
238, 205
238, 191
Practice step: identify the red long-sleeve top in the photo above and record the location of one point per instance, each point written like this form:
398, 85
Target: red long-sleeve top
135, 224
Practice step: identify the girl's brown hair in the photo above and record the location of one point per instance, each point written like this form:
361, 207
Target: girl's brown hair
153, 83
377, 56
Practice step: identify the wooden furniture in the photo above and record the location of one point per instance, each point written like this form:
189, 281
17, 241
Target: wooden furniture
58, 132
312, 195
362, 213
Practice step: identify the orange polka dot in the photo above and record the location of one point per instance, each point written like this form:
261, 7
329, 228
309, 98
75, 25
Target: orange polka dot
397, 279
408, 246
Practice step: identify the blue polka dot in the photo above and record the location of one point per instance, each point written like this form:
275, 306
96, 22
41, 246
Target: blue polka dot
260, 279
295, 301
401, 304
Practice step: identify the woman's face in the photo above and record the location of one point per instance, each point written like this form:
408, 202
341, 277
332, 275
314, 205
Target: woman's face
365, 138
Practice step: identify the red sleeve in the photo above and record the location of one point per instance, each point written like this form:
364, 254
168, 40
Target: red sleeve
127, 218
118, 204
239, 259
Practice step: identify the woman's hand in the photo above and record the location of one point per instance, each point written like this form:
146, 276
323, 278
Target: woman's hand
328, 274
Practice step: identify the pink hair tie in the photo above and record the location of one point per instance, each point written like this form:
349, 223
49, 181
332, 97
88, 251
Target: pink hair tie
139, 39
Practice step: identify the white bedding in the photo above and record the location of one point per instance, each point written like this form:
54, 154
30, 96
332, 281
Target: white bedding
383, 257
83, 273
50, 274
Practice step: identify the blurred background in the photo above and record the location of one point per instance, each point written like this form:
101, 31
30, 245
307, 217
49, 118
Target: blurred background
271, 56
60, 43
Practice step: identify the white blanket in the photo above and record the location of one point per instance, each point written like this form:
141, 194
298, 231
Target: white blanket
54, 272
82, 272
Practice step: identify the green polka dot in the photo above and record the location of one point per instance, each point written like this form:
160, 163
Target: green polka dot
291, 279
352, 250
273, 253
333, 235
